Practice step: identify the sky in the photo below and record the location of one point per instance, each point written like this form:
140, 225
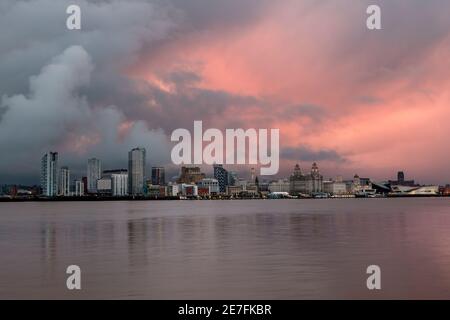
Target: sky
370, 102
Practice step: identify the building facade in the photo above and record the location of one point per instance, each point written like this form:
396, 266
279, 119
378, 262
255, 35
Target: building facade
281, 185
211, 184
78, 188
136, 171
156, 191
232, 178
358, 184
307, 184
158, 176
94, 173
401, 181
49, 178
119, 184
334, 187
221, 175
173, 190
64, 182
188, 190
114, 182
190, 175
234, 191
104, 186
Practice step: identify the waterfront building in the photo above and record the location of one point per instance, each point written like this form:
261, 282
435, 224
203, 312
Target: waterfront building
349, 186
14, 191
415, 191
190, 175
94, 172
204, 192
263, 187
79, 188
398, 189
334, 187
23, 193
251, 190
209, 183
327, 186
189, 190
382, 188
113, 182
64, 182
84, 180
358, 185
173, 190
222, 177
234, 191
297, 182
104, 186
158, 176
446, 190
281, 185
401, 181
242, 183
314, 180
306, 184
425, 190
136, 171
49, 179
232, 178
119, 183
156, 191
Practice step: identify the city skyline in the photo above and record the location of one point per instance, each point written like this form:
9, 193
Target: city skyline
193, 182
95, 169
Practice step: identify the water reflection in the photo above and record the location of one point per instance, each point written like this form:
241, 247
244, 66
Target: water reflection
137, 231
48, 242
227, 249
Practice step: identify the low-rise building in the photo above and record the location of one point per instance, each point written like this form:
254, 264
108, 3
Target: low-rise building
156, 191
173, 190
104, 186
190, 175
234, 191
211, 184
189, 190
334, 188
204, 191
281, 185
416, 191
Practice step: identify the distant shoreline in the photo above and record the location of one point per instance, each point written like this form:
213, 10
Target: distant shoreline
129, 198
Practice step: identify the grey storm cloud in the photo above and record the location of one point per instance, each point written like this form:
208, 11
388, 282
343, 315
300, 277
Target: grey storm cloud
44, 73
162, 109
53, 116
64, 90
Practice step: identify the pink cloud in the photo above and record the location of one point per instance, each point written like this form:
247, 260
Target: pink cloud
385, 102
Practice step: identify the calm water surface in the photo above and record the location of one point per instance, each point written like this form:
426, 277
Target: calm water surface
261, 249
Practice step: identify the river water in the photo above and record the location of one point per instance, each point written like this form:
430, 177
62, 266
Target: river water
238, 249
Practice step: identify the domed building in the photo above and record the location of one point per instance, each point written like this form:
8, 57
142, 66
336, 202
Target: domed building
309, 184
